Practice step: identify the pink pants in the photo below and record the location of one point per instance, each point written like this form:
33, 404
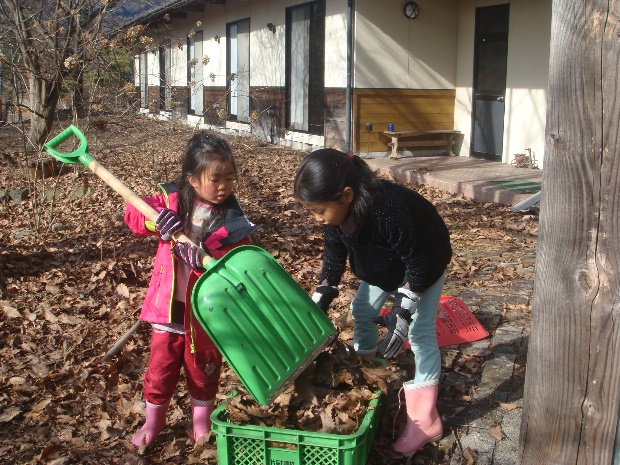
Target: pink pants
170, 351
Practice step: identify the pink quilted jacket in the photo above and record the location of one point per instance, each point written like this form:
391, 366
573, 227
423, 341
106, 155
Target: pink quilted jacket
158, 299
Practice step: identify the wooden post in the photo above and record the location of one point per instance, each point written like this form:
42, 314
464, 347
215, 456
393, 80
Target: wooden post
572, 387
394, 147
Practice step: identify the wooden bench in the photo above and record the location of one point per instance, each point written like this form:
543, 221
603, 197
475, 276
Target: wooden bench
439, 140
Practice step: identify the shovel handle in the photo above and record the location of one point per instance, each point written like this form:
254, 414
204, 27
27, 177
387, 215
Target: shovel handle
130, 197
80, 154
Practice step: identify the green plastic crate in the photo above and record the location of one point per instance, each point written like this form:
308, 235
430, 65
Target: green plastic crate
262, 321
256, 445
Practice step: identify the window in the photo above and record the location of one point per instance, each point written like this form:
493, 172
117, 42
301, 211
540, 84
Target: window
143, 81
238, 70
305, 66
194, 73
165, 76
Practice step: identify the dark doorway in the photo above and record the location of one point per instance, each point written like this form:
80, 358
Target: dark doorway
490, 56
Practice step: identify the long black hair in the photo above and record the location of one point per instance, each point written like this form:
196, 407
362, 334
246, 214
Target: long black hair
323, 175
204, 151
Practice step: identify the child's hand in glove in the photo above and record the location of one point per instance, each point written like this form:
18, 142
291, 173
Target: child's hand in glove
397, 322
188, 254
324, 295
167, 223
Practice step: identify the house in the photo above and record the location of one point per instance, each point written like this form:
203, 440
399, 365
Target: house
335, 73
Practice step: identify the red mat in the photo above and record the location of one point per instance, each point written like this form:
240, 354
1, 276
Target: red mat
456, 324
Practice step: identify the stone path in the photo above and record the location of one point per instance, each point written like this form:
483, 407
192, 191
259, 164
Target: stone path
489, 426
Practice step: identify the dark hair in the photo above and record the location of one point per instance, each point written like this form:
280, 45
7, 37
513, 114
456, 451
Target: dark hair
323, 175
204, 151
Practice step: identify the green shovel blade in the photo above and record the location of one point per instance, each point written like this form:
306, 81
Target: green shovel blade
260, 319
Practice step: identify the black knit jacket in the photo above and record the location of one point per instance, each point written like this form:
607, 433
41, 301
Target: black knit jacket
404, 240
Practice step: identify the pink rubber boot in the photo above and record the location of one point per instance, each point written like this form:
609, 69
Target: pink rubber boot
155, 422
201, 416
423, 422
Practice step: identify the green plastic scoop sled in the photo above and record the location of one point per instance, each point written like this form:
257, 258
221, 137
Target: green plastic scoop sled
264, 324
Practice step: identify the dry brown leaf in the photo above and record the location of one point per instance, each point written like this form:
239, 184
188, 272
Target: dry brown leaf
50, 450
41, 404
9, 311
470, 456
497, 432
122, 290
49, 316
91, 282
508, 406
70, 319
9, 413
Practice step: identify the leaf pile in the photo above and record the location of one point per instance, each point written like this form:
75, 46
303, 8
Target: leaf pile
73, 277
331, 396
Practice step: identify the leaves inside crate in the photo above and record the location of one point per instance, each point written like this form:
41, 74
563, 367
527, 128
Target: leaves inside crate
331, 396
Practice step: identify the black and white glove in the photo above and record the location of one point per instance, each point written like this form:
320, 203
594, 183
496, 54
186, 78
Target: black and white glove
167, 223
397, 321
324, 295
188, 254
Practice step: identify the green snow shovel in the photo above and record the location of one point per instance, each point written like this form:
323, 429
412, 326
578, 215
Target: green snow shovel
266, 326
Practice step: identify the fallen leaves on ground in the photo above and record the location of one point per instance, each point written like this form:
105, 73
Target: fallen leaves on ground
72, 280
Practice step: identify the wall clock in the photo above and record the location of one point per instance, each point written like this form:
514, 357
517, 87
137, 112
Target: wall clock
411, 10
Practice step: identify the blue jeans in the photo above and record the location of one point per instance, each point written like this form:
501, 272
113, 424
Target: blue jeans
367, 304
423, 334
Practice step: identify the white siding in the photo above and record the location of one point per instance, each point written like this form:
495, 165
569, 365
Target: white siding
433, 51
266, 48
152, 65
336, 44
392, 51
527, 78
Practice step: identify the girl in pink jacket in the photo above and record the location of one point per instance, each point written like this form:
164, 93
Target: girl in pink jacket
202, 205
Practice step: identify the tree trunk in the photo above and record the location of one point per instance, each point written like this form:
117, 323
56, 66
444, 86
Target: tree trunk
44, 97
572, 388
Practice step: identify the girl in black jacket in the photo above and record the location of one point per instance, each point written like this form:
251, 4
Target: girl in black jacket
395, 243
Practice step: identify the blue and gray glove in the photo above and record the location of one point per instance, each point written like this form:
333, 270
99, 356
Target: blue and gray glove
167, 223
397, 322
324, 295
188, 254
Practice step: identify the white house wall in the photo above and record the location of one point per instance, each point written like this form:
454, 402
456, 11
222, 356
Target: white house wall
267, 49
178, 62
392, 51
152, 69
465, 73
527, 78
336, 44
527, 75
432, 52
